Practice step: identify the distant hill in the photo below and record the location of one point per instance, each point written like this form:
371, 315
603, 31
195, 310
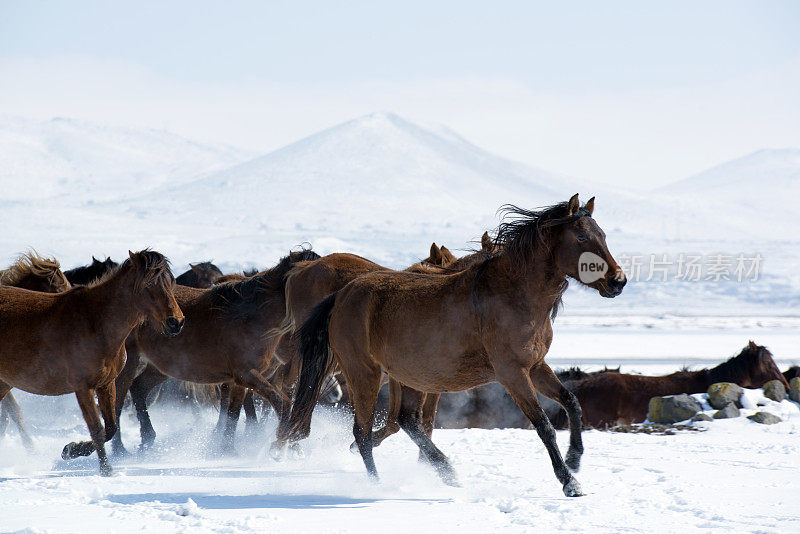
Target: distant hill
67, 157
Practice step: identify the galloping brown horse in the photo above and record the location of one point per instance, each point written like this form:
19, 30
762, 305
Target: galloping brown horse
454, 332
74, 342
610, 399
37, 273
224, 341
308, 284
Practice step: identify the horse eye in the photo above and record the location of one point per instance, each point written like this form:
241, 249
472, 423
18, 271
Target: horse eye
582, 239
150, 284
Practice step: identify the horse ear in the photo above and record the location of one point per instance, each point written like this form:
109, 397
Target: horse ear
132, 257
436, 254
574, 205
486, 242
752, 345
447, 256
589, 206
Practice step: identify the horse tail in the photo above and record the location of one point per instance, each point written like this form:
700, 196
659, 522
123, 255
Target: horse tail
317, 362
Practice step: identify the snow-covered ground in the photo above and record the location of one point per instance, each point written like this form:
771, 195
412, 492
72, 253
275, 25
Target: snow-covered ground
737, 475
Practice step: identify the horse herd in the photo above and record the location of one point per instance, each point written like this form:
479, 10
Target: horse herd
444, 324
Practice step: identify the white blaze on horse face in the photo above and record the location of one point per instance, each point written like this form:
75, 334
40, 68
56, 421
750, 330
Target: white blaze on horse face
591, 267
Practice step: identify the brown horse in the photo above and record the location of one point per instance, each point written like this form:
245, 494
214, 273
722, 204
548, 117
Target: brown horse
609, 399
307, 284
490, 322
74, 342
37, 273
224, 341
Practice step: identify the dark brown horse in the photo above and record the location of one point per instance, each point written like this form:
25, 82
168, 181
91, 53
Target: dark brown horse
201, 275
37, 273
89, 273
74, 342
224, 341
490, 322
609, 399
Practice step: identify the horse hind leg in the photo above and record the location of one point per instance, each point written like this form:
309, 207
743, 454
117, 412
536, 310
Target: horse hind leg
518, 384
4, 389
10, 409
549, 385
236, 395
411, 421
364, 382
92, 417
224, 398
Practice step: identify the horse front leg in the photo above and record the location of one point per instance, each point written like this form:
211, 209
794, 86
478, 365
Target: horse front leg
550, 386
140, 388
517, 382
92, 417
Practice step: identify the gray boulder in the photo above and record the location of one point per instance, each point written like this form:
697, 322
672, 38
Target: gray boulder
672, 409
728, 412
794, 389
702, 417
775, 390
723, 393
765, 418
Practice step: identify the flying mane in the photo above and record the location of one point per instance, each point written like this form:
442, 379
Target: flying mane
523, 231
32, 264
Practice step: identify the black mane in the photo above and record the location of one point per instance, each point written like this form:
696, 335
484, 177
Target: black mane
241, 301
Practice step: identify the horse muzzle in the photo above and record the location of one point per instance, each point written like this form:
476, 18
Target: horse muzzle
173, 326
613, 286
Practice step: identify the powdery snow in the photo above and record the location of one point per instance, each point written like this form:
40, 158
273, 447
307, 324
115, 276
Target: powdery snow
738, 476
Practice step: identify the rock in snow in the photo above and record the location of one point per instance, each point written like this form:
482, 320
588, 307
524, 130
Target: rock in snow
672, 409
765, 418
723, 393
794, 389
774, 390
728, 412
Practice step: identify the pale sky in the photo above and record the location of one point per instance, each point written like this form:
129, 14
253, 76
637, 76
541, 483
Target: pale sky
631, 94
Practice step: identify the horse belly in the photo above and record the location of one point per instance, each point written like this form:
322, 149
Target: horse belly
438, 375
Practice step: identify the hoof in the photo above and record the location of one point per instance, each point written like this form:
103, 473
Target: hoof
573, 461
296, 452
106, 470
448, 476
277, 451
573, 489
66, 453
120, 452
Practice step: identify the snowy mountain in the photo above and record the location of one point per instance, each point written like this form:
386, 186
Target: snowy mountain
67, 157
376, 179
753, 195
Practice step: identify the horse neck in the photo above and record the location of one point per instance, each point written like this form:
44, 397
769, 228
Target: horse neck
113, 302
537, 279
